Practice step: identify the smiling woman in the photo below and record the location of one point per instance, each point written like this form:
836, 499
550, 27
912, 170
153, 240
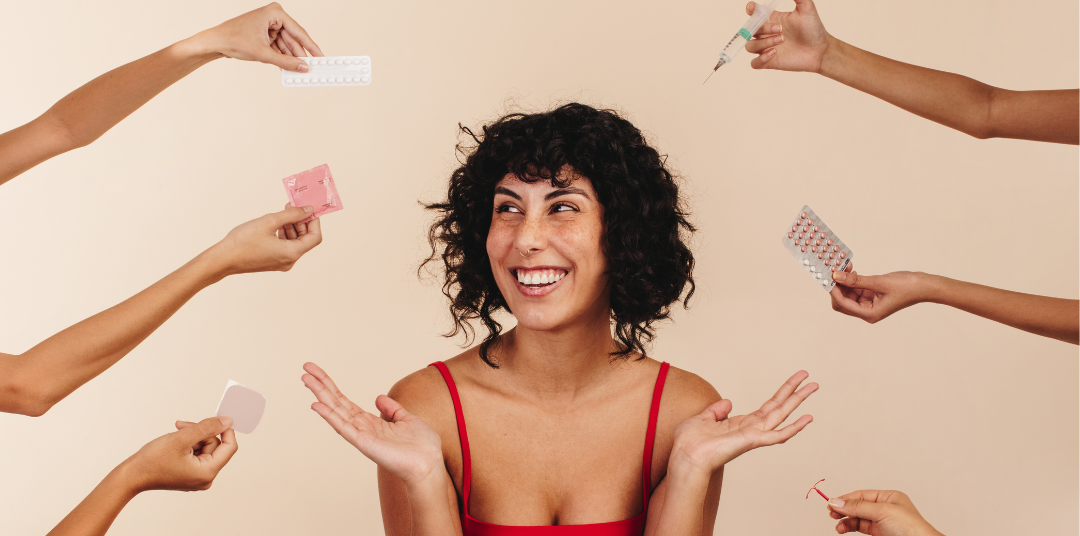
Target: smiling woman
589, 166
571, 222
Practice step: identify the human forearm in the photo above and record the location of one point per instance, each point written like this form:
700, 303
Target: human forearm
96, 513
1056, 318
949, 99
680, 510
430, 507
50, 371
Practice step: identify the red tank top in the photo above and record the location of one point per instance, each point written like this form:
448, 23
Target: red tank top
634, 526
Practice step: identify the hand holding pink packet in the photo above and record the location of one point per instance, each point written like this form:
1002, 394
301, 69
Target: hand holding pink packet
313, 187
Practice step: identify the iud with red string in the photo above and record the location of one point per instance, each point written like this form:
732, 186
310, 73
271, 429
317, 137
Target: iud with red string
823, 496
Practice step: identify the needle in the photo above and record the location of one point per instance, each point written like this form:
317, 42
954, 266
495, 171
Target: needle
718, 64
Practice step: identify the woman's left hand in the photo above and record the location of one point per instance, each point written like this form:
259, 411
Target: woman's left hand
706, 442
267, 35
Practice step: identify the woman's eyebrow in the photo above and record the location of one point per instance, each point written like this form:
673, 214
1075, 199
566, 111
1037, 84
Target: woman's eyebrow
566, 191
506, 191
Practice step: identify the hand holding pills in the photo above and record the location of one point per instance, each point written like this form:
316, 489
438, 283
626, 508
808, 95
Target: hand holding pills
267, 35
880, 513
873, 298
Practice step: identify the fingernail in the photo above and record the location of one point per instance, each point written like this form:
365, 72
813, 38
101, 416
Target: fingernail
303, 68
225, 421
839, 276
779, 39
776, 28
837, 503
308, 209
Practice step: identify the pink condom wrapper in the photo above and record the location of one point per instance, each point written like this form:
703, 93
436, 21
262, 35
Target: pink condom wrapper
313, 187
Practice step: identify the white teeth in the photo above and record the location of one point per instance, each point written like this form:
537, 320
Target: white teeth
544, 277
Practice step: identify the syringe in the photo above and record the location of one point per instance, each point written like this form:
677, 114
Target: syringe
760, 17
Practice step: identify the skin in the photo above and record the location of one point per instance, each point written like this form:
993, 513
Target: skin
874, 298
556, 432
879, 513
797, 41
32, 382
186, 460
266, 35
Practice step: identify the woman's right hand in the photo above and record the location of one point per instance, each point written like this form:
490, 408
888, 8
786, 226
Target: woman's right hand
402, 444
273, 242
875, 297
790, 41
879, 513
267, 35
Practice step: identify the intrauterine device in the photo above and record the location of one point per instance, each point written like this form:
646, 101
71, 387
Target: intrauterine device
314, 187
331, 71
759, 18
816, 247
819, 492
243, 405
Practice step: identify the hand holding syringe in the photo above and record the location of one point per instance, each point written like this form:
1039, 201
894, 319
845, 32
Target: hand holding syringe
760, 17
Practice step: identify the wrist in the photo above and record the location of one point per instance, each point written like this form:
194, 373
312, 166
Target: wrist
198, 47
430, 489
126, 480
685, 472
932, 288
832, 60
212, 265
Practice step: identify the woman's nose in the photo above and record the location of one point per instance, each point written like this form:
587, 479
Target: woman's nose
531, 236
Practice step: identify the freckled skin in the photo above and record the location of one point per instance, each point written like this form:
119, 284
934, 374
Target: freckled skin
564, 232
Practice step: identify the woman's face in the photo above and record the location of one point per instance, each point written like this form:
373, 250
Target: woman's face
545, 251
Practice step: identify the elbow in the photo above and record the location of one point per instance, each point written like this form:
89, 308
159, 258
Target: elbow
982, 124
64, 135
24, 398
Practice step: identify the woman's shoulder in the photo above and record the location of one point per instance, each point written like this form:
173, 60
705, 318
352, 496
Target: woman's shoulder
425, 393
686, 393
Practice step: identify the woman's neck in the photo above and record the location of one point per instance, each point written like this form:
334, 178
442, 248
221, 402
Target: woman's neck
558, 364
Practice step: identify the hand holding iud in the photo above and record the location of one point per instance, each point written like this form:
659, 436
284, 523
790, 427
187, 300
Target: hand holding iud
823, 496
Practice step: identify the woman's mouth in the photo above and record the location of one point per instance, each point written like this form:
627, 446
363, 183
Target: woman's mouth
538, 281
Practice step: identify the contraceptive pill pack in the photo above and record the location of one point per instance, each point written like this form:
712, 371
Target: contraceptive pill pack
331, 71
817, 248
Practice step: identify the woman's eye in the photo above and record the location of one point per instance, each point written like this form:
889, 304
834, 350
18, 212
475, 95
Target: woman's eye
563, 207
506, 208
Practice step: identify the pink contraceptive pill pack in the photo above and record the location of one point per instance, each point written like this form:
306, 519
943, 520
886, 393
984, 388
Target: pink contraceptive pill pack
243, 405
817, 248
313, 187
331, 71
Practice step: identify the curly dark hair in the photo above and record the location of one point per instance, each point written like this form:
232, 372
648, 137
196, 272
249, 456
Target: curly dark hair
646, 225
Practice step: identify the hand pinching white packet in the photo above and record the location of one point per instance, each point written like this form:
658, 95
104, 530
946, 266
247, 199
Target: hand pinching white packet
818, 250
331, 71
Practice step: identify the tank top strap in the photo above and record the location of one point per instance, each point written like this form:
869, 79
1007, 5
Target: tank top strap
650, 435
463, 435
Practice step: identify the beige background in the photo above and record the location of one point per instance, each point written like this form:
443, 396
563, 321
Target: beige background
977, 422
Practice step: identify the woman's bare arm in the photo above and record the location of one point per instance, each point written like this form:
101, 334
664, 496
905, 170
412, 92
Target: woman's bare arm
266, 35
797, 41
34, 381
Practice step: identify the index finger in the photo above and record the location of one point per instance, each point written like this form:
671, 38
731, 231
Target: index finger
301, 35
225, 451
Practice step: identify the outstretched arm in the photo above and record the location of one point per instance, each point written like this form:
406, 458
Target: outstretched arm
797, 41
267, 35
187, 460
33, 382
873, 298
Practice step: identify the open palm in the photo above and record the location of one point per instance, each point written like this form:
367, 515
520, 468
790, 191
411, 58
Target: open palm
403, 444
712, 439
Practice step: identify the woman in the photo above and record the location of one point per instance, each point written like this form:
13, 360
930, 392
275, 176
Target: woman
570, 221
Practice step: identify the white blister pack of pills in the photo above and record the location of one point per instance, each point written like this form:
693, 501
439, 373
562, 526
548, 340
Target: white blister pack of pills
331, 71
817, 248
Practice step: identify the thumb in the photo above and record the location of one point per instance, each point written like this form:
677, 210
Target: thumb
860, 507
854, 280
718, 411
285, 61
391, 409
290, 215
203, 430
